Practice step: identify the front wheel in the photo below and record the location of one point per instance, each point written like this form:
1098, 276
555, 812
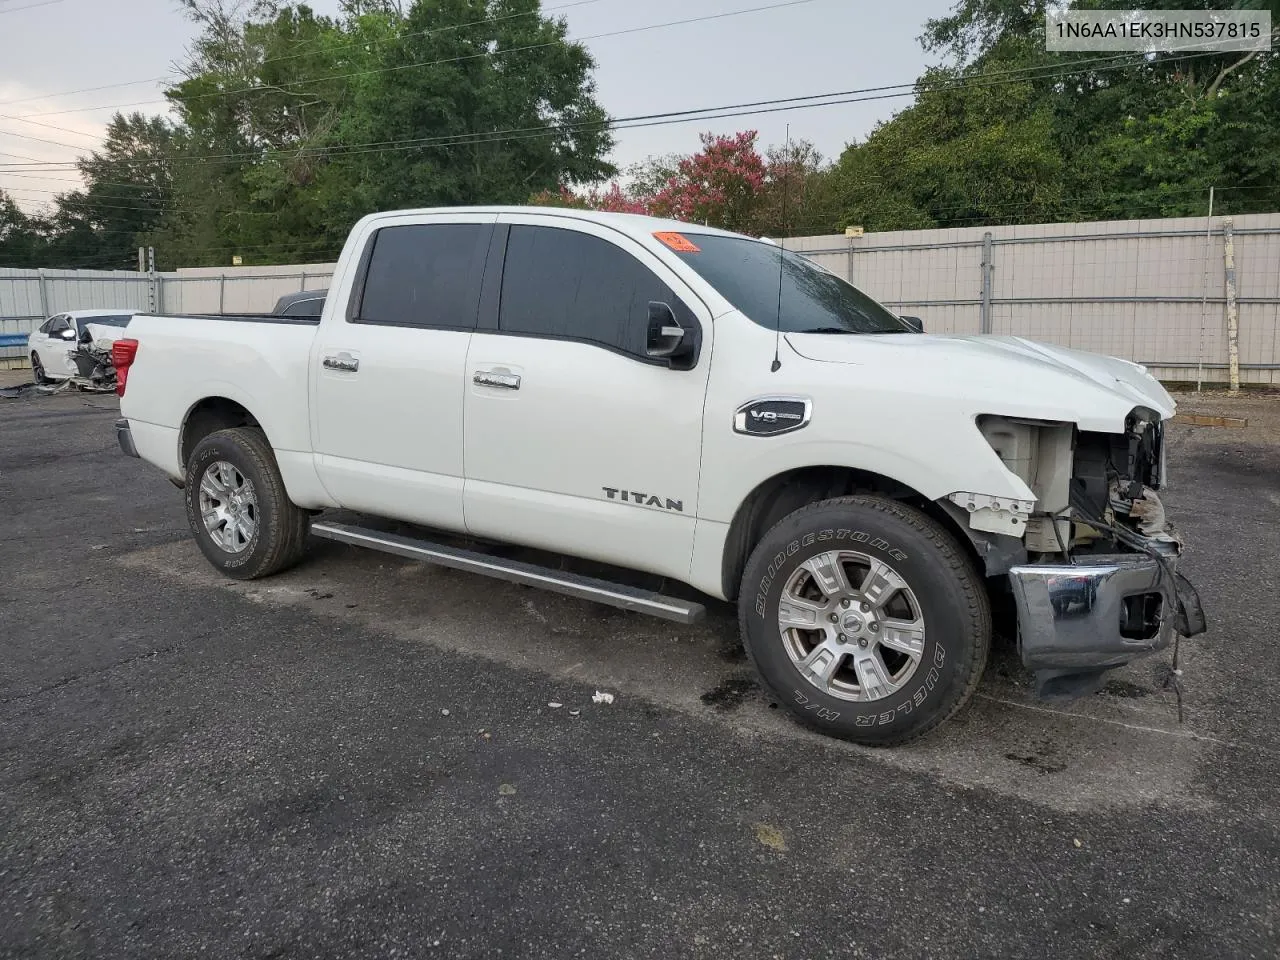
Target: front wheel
37, 370
238, 508
866, 619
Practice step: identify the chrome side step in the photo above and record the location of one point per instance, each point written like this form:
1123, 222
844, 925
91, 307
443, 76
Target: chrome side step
531, 575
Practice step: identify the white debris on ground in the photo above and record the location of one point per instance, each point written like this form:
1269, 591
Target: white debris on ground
599, 697
555, 705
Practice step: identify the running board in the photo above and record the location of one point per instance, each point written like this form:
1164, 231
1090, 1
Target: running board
531, 575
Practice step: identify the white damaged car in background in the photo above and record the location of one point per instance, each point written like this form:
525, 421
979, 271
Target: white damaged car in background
75, 347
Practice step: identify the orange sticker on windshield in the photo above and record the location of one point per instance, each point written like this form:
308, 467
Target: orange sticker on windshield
676, 241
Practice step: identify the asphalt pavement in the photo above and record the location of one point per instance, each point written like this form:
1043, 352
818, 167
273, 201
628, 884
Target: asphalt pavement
361, 758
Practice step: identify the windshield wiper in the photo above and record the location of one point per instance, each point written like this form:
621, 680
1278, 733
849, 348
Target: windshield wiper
825, 330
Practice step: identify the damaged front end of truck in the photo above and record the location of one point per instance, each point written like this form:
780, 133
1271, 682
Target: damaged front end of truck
1098, 585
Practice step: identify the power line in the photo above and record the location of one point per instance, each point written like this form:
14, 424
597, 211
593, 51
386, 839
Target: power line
434, 30
30, 6
48, 126
291, 56
56, 143
431, 63
993, 78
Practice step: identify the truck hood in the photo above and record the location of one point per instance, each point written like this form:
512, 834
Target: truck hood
1009, 375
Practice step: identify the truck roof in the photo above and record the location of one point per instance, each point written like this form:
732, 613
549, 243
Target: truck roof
629, 223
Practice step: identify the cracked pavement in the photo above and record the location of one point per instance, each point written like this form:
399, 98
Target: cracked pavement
190, 765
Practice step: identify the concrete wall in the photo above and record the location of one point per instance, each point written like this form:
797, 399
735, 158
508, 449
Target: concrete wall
1153, 291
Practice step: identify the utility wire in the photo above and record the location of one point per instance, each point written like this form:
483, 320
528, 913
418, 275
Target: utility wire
30, 6
291, 56
995, 78
432, 63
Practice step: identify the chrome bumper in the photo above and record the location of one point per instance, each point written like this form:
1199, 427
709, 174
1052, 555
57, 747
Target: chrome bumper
124, 436
1070, 616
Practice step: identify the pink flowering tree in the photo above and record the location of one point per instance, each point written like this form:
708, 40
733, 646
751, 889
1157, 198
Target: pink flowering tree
722, 185
610, 200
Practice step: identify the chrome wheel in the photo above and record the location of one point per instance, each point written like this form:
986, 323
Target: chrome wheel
851, 625
228, 506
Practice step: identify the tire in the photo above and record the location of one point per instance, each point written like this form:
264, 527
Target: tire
883, 673
37, 369
257, 529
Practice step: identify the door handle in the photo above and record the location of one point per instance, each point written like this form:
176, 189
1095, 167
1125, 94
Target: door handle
489, 378
343, 361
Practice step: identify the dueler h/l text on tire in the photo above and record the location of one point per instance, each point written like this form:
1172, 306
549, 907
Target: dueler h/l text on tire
865, 619
238, 508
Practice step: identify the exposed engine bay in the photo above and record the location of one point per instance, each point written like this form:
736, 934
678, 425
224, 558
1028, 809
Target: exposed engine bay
1098, 584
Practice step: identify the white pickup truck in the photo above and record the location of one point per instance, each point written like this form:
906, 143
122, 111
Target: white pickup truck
699, 405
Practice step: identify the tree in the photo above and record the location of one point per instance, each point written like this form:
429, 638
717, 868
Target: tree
128, 185
612, 199
1006, 132
797, 199
21, 244
305, 123
721, 185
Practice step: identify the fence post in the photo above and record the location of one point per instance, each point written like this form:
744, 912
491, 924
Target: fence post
849, 267
44, 297
153, 297
222, 293
1233, 314
984, 317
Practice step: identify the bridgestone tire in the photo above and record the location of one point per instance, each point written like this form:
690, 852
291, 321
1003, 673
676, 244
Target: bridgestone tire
947, 588
281, 529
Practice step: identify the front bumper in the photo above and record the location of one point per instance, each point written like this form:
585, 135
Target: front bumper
1078, 620
124, 436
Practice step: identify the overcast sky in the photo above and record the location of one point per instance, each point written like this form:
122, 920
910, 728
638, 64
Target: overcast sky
51, 47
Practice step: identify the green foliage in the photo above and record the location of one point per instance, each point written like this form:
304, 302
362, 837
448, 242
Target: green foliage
292, 125
1009, 133
20, 239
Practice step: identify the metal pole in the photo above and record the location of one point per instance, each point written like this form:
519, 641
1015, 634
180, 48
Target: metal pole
44, 297
1233, 314
984, 316
302, 284
222, 293
849, 268
1204, 293
153, 297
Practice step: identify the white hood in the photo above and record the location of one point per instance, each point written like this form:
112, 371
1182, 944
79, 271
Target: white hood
1010, 376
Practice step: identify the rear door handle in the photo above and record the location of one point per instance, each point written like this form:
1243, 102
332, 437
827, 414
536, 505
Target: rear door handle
342, 361
490, 378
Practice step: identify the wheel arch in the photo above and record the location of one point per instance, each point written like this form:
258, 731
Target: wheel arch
209, 415
789, 490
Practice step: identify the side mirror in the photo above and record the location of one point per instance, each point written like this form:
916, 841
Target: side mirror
666, 339
67, 333
915, 323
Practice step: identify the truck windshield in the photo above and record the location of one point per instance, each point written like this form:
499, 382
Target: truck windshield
813, 300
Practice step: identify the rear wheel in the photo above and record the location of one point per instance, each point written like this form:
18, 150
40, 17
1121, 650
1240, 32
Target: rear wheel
37, 369
865, 619
238, 508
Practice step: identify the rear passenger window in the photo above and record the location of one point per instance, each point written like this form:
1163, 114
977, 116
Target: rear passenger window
565, 284
425, 275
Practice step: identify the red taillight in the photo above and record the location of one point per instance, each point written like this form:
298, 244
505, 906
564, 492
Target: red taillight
122, 354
